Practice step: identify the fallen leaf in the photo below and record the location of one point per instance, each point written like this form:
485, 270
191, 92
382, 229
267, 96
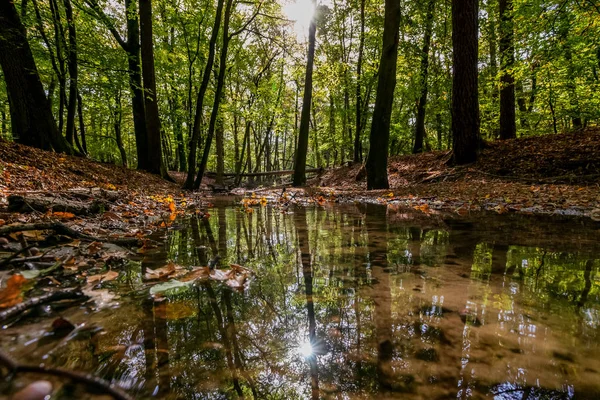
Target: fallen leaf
109, 276
12, 294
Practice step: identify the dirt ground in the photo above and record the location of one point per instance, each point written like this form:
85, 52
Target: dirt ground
557, 174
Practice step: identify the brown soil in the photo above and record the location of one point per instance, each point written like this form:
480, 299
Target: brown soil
557, 174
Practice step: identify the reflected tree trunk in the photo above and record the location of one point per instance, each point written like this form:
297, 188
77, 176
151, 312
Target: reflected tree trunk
305, 260
381, 294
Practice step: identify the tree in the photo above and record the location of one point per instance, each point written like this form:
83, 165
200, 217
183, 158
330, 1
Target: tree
31, 116
508, 124
380, 127
153, 132
132, 49
424, 73
189, 181
302, 149
465, 98
218, 94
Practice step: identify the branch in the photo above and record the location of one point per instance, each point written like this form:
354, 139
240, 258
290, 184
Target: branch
68, 294
64, 230
100, 15
79, 377
243, 28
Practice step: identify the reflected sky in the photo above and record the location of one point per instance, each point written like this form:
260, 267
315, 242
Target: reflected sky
351, 302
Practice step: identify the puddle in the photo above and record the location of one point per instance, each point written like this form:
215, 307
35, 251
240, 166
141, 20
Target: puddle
348, 302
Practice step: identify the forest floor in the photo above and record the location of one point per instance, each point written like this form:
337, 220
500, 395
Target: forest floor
557, 175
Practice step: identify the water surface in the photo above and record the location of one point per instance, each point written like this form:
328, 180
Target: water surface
350, 302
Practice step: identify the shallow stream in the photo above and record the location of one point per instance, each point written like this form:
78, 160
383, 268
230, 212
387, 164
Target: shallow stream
347, 302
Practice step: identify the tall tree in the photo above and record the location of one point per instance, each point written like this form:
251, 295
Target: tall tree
359, 100
465, 98
508, 124
189, 181
132, 49
153, 132
302, 149
380, 127
424, 74
218, 95
32, 121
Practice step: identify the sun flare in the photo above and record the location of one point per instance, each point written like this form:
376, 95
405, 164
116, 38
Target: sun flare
301, 12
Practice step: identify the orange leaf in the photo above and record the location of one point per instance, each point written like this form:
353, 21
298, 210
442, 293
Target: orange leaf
63, 215
12, 294
172, 206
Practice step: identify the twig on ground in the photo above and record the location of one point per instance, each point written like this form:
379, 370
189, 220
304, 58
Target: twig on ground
88, 380
67, 231
67, 294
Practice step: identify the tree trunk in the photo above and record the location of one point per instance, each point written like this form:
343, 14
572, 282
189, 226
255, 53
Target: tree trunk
135, 84
359, 111
189, 182
72, 66
218, 94
31, 115
422, 105
380, 127
508, 125
81, 124
220, 147
465, 98
302, 149
155, 159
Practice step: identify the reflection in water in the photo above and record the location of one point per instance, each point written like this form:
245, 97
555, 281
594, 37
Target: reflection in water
353, 302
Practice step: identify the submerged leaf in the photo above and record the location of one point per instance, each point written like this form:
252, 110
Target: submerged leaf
170, 285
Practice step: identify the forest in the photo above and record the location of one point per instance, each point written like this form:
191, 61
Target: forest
299, 199
281, 85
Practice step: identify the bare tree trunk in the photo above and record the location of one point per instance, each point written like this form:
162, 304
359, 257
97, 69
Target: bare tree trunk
73, 73
508, 125
189, 182
359, 111
155, 159
422, 105
218, 94
302, 149
380, 128
465, 98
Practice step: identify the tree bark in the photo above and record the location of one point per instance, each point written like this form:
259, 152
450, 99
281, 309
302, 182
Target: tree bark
302, 149
380, 128
218, 94
359, 111
73, 73
465, 98
422, 105
189, 182
155, 159
508, 125
31, 115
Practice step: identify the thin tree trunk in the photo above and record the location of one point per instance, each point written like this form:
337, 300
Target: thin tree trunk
302, 149
81, 124
359, 116
380, 127
508, 125
155, 159
218, 94
73, 73
422, 105
189, 182
118, 116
